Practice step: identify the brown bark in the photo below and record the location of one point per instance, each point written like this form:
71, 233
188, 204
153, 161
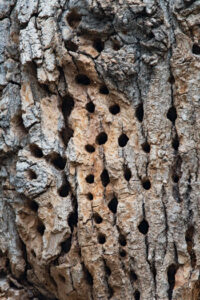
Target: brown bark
99, 149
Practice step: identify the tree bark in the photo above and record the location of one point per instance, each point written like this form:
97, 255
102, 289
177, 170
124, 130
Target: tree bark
99, 149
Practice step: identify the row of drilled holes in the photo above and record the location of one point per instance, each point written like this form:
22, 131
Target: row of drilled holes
105, 179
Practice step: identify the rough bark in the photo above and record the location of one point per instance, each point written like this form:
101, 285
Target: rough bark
99, 149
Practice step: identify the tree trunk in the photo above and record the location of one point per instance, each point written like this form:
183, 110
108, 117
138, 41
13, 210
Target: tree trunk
99, 149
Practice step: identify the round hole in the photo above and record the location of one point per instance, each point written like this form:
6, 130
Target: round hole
139, 112
32, 175
123, 140
89, 148
105, 179
137, 295
196, 49
71, 46
61, 278
36, 151
41, 228
146, 147
112, 205
146, 184
58, 161
114, 109
171, 79
122, 253
133, 275
97, 218
122, 240
116, 46
66, 245
90, 107
143, 227
33, 205
64, 190
98, 45
175, 143
107, 270
101, 238
90, 196
82, 79
175, 178
101, 138
104, 90
127, 174
90, 178
172, 115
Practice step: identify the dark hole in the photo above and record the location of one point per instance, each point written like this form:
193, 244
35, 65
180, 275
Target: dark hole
101, 238
36, 151
72, 220
66, 134
123, 140
97, 218
172, 115
33, 205
62, 278
114, 109
58, 161
127, 174
175, 178
67, 106
64, 190
122, 240
71, 46
122, 253
189, 238
151, 35
102, 138
40, 228
146, 147
143, 227
196, 49
98, 45
146, 184
112, 205
88, 276
73, 18
32, 175
105, 178
89, 148
171, 79
107, 270
82, 79
133, 276
137, 295
139, 112
171, 271
33, 253
110, 292
90, 107
90, 196
116, 46
175, 143
90, 178
104, 90
66, 245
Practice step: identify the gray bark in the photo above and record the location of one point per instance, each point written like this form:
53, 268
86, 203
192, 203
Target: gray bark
99, 149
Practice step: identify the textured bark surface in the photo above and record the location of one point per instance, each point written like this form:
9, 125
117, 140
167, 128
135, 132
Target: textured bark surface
99, 149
